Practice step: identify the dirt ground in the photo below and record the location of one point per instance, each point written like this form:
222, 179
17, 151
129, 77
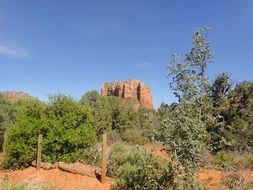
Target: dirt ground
212, 179
158, 150
63, 180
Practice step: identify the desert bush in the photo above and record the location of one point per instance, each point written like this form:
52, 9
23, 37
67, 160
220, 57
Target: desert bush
134, 136
66, 127
136, 168
223, 161
92, 155
233, 181
113, 137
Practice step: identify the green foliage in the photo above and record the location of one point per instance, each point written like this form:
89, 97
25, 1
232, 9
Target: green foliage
220, 88
111, 113
66, 127
134, 136
124, 114
90, 98
233, 110
189, 77
7, 117
92, 155
219, 132
136, 168
147, 122
102, 112
22, 136
240, 116
190, 85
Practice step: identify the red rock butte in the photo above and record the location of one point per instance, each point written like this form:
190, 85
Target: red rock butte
135, 89
15, 95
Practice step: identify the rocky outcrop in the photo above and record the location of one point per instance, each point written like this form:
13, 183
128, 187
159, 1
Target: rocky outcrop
74, 168
129, 89
15, 95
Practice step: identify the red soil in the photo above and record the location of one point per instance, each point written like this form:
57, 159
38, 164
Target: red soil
213, 179
210, 178
158, 150
63, 180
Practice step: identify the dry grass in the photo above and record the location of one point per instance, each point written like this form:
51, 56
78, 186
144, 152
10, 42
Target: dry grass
1, 157
6, 184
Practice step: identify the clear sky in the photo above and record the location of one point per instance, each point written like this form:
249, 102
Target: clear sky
52, 46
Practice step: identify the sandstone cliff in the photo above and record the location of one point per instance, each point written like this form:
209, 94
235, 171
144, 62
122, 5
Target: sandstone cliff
129, 89
15, 95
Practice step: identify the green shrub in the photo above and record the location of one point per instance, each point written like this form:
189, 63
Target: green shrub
135, 168
66, 127
134, 136
92, 155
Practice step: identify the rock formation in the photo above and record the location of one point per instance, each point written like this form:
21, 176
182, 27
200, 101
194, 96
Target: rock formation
129, 89
15, 95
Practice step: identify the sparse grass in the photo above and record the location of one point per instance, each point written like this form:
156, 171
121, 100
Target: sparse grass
6, 184
232, 162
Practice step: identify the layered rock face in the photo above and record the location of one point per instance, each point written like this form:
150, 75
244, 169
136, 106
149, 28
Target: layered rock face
129, 89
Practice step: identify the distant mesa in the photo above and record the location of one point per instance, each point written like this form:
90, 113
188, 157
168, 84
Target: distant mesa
135, 89
15, 95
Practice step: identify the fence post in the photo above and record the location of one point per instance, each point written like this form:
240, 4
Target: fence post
103, 167
39, 150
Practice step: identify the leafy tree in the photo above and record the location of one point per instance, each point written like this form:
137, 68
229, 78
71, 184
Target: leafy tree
240, 116
124, 113
190, 85
219, 130
90, 98
70, 129
144, 128
66, 127
163, 109
148, 122
220, 88
102, 112
22, 136
8, 111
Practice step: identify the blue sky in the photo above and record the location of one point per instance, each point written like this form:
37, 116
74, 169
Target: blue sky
52, 46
